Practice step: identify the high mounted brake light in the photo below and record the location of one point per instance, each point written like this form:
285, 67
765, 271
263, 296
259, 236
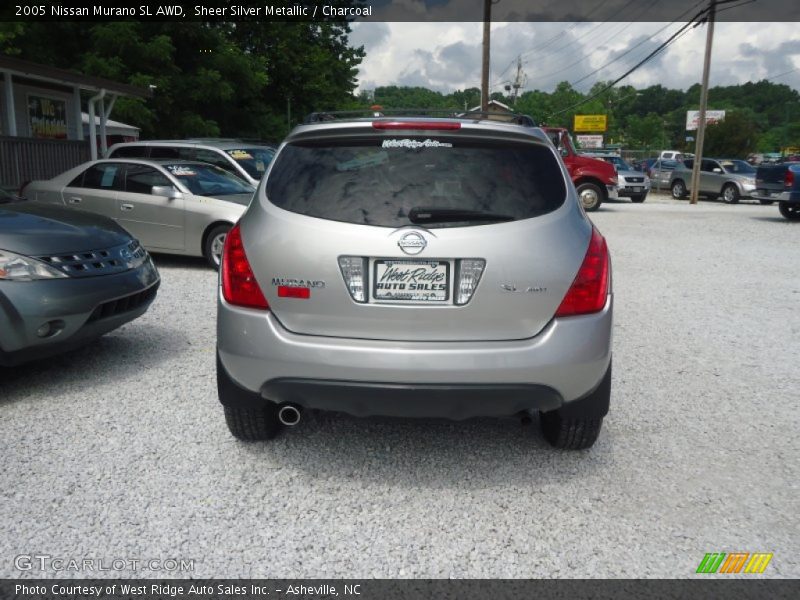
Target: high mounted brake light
418, 125
588, 291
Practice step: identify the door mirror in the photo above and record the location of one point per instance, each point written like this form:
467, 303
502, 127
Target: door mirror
564, 151
166, 191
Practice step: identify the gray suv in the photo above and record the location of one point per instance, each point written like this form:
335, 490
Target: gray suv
731, 179
416, 267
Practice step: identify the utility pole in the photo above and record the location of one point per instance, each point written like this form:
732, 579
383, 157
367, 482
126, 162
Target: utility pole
487, 26
701, 123
518, 80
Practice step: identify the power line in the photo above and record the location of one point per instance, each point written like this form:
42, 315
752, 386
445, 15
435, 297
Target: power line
548, 75
561, 33
671, 39
636, 46
782, 74
611, 62
585, 33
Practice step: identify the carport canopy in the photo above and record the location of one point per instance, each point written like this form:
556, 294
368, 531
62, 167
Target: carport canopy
103, 89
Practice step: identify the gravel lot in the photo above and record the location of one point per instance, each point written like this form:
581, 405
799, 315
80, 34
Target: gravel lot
120, 450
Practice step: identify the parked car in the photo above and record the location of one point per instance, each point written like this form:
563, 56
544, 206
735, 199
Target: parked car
730, 178
780, 183
631, 183
595, 180
416, 267
245, 160
175, 207
661, 173
66, 278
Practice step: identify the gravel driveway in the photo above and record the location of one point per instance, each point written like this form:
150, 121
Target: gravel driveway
120, 450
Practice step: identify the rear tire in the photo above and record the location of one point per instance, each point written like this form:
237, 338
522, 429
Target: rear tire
249, 416
253, 424
591, 196
212, 245
790, 210
678, 189
577, 424
638, 198
570, 434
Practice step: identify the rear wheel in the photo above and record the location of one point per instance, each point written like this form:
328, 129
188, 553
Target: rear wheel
591, 196
678, 189
577, 424
790, 211
214, 242
570, 434
249, 416
638, 198
253, 424
730, 194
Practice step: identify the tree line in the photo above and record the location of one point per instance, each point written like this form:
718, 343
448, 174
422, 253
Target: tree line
760, 116
258, 79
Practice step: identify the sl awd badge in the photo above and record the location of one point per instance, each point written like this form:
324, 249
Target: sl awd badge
412, 243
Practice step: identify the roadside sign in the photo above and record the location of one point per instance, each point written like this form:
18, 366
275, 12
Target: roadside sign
712, 116
590, 123
590, 141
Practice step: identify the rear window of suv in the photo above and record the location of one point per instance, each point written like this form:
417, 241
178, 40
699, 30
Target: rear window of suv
379, 181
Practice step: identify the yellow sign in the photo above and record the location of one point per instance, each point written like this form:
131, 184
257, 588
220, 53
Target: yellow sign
590, 123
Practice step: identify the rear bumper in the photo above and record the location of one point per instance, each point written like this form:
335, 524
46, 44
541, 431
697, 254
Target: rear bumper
84, 308
449, 401
788, 196
564, 363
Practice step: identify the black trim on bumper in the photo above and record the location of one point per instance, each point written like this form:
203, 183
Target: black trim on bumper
425, 400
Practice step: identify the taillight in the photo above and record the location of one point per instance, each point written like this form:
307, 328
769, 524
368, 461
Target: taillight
788, 179
469, 275
424, 125
239, 285
354, 270
21, 192
588, 291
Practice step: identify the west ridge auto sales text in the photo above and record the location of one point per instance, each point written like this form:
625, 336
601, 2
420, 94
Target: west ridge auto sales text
179, 591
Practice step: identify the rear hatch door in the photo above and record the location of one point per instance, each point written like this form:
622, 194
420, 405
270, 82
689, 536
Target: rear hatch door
416, 235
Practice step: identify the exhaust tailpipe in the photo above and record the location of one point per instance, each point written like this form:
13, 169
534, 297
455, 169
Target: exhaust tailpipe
289, 415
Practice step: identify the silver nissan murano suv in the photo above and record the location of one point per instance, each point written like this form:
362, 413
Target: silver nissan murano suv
415, 267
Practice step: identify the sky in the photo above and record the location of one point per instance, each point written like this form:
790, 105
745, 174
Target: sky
447, 56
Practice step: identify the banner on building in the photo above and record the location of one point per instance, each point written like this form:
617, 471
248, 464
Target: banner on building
47, 117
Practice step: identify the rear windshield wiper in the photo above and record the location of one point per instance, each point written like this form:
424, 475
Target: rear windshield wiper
420, 214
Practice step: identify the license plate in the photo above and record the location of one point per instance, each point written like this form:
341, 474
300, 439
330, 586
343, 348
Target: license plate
638, 188
411, 281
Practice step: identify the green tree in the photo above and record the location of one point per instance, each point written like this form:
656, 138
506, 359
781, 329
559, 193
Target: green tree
736, 136
646, 132
209, 79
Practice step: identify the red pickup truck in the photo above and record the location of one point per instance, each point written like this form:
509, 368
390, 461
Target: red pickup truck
594, 179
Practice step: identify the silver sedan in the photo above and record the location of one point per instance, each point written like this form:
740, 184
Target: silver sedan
175, 207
